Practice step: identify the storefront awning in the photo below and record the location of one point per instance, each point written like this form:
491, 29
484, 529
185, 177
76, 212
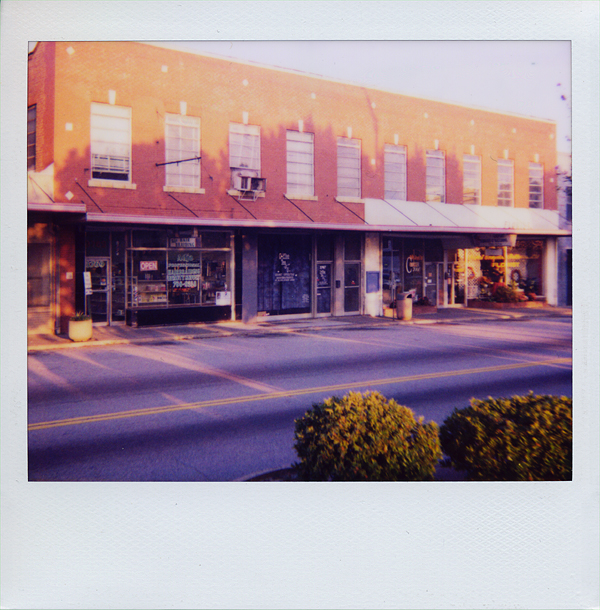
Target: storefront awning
40, 194
451, 218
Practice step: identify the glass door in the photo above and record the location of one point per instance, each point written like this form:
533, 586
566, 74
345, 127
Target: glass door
323, 274
99, 300
117, 271
352, 273
434, 284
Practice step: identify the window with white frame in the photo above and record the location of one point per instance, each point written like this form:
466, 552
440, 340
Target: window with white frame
505, 182
395, 172
348, 167
244, 147
31, 136
536, 185
300, 163
182, 151
111, 142
435, 176
472, 179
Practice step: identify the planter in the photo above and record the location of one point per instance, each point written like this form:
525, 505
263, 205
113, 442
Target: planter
80, 330
389, 312
492, 305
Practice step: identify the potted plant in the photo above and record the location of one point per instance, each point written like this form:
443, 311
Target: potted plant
80, 327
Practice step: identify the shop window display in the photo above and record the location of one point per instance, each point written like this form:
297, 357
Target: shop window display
520, 271
185, 271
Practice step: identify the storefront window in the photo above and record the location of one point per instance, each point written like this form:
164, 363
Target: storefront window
148, 279
149, 239
187, 268
404, 264
214, 277
525, 266
520, 270
183, 277
413, 266
215, 239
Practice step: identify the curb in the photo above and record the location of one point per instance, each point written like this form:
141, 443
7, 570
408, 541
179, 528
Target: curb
286, 329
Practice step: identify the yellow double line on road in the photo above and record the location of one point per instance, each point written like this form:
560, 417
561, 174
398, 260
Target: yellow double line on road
75, 421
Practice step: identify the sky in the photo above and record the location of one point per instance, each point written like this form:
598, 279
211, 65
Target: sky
531, 78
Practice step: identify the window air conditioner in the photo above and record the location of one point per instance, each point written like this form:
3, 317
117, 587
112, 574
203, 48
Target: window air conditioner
248, 180
250, 183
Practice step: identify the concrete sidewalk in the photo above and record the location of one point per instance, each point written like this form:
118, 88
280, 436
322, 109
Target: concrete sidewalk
119, 335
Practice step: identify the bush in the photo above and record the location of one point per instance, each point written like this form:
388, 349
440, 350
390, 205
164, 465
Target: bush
523, 438
505, 294
365, 438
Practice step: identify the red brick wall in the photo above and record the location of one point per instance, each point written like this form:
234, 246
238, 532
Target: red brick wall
40, 91
66, 263
215, 91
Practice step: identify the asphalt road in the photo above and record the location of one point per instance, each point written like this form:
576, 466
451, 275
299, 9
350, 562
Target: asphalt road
223, 408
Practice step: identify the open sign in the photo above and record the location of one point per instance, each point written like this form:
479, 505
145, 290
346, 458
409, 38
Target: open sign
148, 265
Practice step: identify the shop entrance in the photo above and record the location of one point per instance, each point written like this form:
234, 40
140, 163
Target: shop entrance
40, 280
324, 274
434, 292
284, 274
352, 273
99, 300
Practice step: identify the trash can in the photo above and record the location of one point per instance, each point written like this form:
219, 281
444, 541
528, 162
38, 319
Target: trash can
404, 305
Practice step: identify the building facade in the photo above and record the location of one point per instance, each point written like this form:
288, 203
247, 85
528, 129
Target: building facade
169, 187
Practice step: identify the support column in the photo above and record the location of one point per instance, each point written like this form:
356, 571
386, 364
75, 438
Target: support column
338, 289
549, 271
373, 300
445, 275
249, 278
466, 279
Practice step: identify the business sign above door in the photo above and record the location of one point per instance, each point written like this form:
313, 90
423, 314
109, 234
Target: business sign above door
494, 241
182, 242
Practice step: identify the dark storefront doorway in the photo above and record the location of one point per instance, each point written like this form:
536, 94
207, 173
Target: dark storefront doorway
284, 274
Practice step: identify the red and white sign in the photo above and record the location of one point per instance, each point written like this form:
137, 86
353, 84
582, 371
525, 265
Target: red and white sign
148, 265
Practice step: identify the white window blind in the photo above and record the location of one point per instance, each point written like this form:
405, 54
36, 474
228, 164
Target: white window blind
472, 179
536, 185
348, 167
111, 142
395, 172
244, 146
300, 163
435, 187
505, 182
182, 136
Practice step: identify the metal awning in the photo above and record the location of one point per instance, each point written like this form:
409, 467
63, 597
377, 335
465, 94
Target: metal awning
40, 194
413, 216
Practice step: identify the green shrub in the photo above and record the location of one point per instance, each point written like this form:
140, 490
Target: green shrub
523, 438
505, 294
365, 438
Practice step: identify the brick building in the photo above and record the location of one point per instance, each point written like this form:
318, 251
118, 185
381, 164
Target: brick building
193, 188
